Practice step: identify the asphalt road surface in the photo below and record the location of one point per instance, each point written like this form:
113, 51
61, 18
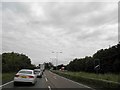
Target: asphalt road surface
49, 81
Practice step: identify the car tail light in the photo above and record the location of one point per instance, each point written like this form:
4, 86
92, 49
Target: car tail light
31, 76
16, 75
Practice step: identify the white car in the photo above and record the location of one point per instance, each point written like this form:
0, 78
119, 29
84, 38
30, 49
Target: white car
25, 75
38, 72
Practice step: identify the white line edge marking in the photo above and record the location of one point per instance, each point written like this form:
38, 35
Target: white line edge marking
46, 79
49, 87
74, 82
6, 83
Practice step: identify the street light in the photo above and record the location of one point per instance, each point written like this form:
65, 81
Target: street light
56, 58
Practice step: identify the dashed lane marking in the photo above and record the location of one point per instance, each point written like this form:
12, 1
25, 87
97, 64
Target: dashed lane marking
46, 79
49, 87
55, 77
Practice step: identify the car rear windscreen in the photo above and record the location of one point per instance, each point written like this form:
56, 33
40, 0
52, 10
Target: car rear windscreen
26, 72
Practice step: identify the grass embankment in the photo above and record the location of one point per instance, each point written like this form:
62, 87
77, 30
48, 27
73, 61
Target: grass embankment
109, 77
0, 78
6, 77
92, 79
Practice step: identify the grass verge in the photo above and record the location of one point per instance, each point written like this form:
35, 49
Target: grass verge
105, 82
0, 78
108, 76
6, 77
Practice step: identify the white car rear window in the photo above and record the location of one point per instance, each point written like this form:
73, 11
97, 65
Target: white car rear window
26, 72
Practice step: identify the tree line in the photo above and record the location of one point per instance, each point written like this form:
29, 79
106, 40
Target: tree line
12, 62
103, 61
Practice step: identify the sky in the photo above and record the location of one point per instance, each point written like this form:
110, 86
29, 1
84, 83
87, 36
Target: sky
77, 29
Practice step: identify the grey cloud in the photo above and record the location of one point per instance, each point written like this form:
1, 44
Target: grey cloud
63, 14
104, 18
65, 18
112, 38
61, 27
90, 36
0, 27
16, 7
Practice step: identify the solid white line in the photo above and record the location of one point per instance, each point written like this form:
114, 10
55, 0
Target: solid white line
49, 87
74, 82
46, 79
6, 83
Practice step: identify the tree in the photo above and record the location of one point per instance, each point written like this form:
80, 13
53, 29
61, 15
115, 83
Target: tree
108, 61
12, 62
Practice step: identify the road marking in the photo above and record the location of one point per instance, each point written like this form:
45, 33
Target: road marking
74, 82
46, 79
55, 77
6, 83
49, 87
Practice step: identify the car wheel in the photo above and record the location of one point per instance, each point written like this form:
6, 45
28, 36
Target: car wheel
33, 83
41, 76
15, 83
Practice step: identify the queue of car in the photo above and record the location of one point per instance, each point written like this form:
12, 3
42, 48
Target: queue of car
27, 76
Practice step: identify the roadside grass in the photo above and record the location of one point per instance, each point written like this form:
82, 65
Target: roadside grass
107, 76
0, 78
6, 77
99, 81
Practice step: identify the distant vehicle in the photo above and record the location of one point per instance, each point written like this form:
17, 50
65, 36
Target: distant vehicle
42, 67
38, 72
25, 75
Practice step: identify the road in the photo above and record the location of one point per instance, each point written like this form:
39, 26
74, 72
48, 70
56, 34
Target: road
49, 81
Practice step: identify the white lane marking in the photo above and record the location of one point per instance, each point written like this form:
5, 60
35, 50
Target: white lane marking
49, 87
6, 83
74, 82
46, 79
55, 77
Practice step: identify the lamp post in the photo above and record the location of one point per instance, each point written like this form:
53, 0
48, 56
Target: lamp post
56, 58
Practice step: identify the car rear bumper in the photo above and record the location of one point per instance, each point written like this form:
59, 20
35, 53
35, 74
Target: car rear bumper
24, 80
39, 75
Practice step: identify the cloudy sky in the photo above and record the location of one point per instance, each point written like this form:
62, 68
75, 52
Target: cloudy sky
77, 29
